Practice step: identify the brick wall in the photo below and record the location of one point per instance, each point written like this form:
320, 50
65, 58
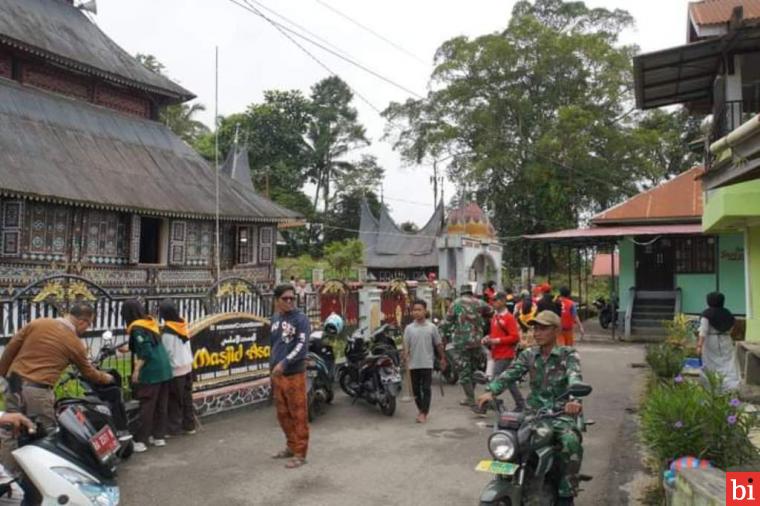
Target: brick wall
5, 65
53, 79
123, 101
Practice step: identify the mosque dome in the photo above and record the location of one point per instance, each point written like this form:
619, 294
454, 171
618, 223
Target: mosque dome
469, 220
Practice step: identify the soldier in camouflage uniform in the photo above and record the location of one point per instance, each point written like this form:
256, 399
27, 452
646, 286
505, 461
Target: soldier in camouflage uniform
552, 370
466, 318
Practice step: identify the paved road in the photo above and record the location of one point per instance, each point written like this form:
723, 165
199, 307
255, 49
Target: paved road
359, 456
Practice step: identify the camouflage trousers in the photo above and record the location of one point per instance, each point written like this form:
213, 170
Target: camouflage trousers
468, 361
570, 454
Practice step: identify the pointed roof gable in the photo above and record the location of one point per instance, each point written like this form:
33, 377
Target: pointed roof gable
236, 167
387, 246
61, 33
678, 200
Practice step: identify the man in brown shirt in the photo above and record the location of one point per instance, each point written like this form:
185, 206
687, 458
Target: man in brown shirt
37, 355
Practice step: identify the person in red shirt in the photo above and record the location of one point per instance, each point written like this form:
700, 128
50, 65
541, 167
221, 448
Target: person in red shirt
503, 339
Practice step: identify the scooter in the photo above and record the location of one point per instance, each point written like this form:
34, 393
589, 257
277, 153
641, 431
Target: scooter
525, 464
371, 371
109, 399
320, 373
74, 464
607, 312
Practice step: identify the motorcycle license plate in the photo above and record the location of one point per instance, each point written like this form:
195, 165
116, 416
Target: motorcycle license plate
496, 467
391, 378
104, 443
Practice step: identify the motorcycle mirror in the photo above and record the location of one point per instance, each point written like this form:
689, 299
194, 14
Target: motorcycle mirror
579, 390
107, 336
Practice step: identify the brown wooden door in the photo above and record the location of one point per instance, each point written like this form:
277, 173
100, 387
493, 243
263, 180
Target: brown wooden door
655, 264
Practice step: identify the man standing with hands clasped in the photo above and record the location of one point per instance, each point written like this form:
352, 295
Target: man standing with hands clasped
421, 339
289, 336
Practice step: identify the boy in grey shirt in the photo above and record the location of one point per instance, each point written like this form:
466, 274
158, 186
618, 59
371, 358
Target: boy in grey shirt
421, 339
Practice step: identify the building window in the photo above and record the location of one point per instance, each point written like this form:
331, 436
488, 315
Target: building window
246, 245
151, 240
695, 255
199, 242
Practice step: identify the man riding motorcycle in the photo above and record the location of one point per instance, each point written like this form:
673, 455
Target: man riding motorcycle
552, 370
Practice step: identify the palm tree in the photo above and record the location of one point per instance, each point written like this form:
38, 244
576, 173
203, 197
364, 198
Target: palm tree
180, 119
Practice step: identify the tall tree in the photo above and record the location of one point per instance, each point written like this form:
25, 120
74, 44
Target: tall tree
334, 131
536, 120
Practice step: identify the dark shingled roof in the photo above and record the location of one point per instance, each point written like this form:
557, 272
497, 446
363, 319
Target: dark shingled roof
67, 150
59, 32
388, 247
236, 167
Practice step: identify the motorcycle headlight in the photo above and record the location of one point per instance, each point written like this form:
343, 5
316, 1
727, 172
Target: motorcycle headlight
99, 495
502, 446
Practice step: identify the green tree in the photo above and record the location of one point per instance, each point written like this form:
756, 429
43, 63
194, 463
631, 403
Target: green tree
334, 131
180, 118
344, 217
344, 255
536, 121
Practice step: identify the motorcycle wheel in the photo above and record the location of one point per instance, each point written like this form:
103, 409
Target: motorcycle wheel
128, 450
388, 406
546, 496
604, 322
330, 395
345, 378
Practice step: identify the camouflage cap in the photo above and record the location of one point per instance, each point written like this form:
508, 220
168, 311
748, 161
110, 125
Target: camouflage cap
547, 318
465, 289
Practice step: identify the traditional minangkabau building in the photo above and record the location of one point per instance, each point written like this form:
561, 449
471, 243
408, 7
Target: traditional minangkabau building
92, 184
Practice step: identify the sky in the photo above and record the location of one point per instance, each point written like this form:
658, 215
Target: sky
254, 56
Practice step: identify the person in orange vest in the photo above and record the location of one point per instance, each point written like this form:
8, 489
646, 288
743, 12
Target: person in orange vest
569, 318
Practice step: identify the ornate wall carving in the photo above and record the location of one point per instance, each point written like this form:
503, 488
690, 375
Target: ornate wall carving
105, 239
12, 224
121, 100
56, 80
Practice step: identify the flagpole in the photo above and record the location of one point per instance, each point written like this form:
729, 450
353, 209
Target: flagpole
216, 157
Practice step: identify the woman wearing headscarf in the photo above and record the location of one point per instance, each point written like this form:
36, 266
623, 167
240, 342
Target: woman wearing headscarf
176, 340
525, 312
151, 373
715, 344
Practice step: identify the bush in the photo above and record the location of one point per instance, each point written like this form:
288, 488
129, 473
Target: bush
665, 360
685, 418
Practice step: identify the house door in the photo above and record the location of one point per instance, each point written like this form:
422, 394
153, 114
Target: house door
655, 264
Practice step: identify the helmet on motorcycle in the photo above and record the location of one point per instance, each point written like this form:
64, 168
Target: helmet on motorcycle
333, 325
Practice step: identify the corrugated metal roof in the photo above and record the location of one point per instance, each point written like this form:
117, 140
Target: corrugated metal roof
679, 199
67, 150
388, 247
718, 12
56, 30
621, 231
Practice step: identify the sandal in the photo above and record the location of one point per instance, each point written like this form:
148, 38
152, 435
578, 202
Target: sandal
283, 454
295, 462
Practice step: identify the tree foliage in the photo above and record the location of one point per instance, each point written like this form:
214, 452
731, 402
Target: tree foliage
342, 256
537, 121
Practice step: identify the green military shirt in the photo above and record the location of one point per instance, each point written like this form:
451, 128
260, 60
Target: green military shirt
549, 378
466, 318
156, 367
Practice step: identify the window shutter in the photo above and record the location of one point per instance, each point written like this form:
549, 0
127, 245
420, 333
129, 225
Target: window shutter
134, 240
177, 243
266, 244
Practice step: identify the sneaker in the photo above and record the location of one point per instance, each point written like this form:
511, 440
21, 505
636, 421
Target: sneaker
140, 447
191, 432
158, 442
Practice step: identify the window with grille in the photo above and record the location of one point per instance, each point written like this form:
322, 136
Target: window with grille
695, 255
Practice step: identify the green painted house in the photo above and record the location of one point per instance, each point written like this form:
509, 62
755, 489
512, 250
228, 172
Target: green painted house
717, 75
667, 264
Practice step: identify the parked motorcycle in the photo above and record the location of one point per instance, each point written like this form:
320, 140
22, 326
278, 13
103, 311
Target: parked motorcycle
525, 464
320, 366
607, 312
371, 371
74, 464
124, 416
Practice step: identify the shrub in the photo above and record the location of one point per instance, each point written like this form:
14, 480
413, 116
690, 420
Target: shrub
681, 418
680, 331
665, 360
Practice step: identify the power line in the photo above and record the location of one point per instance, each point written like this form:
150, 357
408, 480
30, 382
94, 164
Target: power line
373, 32
319, 62
404, 234
282, 28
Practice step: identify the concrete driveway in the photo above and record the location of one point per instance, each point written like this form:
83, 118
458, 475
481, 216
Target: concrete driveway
359, 456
